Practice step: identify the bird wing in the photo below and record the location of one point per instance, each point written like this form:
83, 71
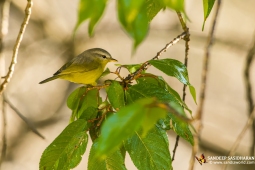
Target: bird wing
78, 64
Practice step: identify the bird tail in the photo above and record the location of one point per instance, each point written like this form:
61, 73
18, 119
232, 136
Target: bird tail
49, 79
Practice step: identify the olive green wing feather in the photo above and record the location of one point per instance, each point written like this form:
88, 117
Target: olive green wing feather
78, 64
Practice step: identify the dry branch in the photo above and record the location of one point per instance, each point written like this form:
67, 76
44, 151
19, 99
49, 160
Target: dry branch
3, 31
28, 122
145, 65
8, 76
241, 135
248, 88
203, 86
186, 39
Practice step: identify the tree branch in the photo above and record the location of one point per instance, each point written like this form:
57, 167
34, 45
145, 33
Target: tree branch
4, 140
241, 135
145, 65
8, 76
203, 86
3, 31
186, 39
29, 123
247, 80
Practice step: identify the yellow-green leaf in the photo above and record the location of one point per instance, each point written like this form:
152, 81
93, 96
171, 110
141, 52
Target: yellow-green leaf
208, 5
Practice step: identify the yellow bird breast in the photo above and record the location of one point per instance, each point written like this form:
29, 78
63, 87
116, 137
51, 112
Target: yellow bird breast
88, 77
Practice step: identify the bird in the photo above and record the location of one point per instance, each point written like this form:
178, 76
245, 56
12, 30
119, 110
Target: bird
86, 68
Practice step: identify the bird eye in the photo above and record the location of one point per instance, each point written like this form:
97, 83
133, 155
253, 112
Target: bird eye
104, 56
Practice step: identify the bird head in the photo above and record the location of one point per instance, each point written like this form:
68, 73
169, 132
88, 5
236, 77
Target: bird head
102, 55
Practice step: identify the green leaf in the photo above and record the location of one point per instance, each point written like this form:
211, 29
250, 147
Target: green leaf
173, 68
121, 125
176, 69
164, 123
208, 5
89, 100
177, 5
133, 17
75, 97
113, 161
132, 67
182, 129
116, 95
66, 151
144, 89
123, 151
151, 117
91, 10
89, 113
153, 7
159, 81
193, 93
151, 152
176, 95
147, 90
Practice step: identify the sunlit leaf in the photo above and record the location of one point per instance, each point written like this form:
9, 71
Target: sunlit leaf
208, 5
132, 67
153, 7
173, 68
92, 10
177, 5
150, 152
193, 93
66, 151
133, 17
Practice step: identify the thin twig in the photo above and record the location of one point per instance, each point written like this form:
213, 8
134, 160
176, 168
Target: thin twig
175, 146
247, 80
249, 58
203, 87
3, 31
132, 76
8, 76
28, 122
4, 139
241, 135
186, 39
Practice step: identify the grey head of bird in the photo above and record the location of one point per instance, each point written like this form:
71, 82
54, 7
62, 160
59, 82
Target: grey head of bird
99, 54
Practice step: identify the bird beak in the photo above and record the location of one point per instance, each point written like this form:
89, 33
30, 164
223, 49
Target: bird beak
113, 60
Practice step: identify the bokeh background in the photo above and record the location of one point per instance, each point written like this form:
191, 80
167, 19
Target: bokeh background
48, 43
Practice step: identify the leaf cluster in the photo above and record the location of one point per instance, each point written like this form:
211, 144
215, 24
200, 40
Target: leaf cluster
137, 111
134, 15
133, 118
